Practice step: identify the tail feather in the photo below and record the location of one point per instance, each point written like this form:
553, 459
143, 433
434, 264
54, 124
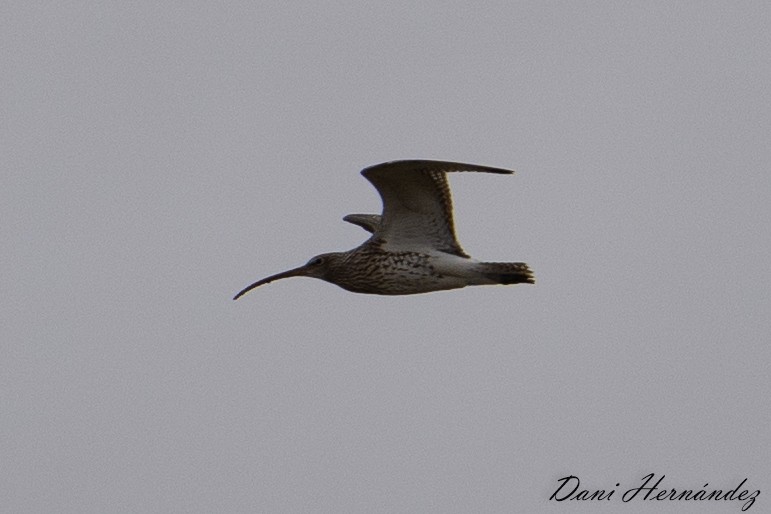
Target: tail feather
507, 272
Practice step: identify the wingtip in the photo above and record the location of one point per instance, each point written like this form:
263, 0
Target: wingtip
369, 222
447, 166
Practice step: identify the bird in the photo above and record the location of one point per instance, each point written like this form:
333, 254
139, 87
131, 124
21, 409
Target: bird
413, 248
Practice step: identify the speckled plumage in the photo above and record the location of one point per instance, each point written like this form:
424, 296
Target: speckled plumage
413, 248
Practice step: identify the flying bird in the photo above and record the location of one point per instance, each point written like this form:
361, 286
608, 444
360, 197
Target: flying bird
413, 248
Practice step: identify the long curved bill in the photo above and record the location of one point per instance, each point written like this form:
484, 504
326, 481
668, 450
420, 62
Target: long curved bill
296, 272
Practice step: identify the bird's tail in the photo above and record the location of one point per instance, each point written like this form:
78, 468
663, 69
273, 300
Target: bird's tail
507, 272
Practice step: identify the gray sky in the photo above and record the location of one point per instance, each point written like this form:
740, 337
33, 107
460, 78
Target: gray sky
158, 157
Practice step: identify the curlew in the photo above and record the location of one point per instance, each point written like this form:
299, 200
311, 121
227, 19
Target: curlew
413, 248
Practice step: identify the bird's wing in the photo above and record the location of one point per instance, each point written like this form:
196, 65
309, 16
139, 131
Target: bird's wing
417, 205
369, 222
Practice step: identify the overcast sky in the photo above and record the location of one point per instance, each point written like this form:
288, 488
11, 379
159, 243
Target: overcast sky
157, 157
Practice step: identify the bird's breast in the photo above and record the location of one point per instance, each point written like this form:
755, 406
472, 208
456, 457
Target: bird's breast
391, 273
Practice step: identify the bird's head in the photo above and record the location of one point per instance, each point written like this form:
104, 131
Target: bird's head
317, 267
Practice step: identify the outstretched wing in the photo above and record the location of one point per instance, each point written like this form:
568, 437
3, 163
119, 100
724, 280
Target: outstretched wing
417, 205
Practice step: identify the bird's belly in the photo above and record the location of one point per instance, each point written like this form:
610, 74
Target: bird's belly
403, 286
398, 274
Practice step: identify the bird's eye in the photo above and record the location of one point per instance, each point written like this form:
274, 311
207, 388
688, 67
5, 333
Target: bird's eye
315, 261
